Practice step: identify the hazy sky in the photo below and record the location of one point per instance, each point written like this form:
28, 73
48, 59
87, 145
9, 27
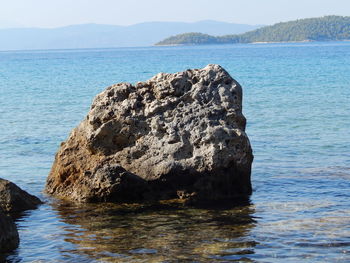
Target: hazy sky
54, 13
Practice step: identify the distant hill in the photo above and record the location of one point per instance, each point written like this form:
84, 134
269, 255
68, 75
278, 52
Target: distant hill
100, 36
311, 29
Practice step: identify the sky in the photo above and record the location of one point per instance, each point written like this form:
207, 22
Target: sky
56, 13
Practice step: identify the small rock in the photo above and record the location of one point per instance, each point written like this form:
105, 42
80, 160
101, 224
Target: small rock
14, 199
9, 238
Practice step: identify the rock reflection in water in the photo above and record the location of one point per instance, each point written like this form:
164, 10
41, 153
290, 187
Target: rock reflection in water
162, 233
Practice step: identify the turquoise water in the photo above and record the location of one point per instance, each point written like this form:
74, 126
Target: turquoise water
297, 103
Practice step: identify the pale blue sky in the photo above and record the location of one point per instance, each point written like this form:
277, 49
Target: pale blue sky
54, 13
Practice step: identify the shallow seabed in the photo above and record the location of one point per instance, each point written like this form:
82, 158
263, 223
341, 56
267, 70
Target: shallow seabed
296, 100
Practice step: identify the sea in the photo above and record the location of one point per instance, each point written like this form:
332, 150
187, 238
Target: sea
296, 98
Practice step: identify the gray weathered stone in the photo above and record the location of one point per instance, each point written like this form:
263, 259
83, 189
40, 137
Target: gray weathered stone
14, 199
9, 238
176, 135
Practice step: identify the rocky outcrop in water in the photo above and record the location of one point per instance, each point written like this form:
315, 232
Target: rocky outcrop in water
14, 199
9, 238
176, 135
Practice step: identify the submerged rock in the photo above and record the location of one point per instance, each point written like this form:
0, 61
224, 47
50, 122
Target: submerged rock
14, 199
176, 135
9, 238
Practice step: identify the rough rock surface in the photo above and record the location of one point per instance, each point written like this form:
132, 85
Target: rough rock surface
14, 199
176, 135
9, 238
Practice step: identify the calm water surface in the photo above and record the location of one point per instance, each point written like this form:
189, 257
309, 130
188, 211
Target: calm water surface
297, 102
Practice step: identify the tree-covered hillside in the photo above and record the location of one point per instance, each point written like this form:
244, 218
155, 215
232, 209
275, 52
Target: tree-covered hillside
311, 29
189, 39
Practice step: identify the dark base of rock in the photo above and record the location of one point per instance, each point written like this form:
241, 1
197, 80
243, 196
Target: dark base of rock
9, 238
115, 184
197, 187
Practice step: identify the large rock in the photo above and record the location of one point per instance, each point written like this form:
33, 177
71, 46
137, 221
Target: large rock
176, 135
9, 238
14, 199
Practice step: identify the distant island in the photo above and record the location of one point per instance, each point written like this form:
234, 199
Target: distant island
109, 36
325, 28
